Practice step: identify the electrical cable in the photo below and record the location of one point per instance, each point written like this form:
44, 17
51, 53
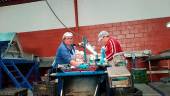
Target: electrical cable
60, 19
57, 16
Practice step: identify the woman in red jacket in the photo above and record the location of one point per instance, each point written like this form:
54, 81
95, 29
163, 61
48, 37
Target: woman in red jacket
112, 46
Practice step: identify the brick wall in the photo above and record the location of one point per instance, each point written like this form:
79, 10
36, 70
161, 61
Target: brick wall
149, 34
42, 43
134, 35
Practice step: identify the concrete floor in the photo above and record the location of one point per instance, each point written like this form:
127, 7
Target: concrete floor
30, 93
162, 88
146, 89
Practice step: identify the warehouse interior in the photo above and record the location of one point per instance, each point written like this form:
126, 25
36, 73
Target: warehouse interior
32, 31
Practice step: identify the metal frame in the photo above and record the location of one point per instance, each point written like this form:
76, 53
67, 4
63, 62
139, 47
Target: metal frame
60, 77
5, 45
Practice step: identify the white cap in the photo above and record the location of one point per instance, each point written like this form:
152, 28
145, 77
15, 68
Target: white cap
102, 34
67, 34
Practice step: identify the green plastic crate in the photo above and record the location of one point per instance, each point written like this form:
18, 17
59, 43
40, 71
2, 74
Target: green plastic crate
139, 75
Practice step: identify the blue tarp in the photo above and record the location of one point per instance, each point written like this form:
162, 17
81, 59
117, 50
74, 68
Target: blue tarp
7, 36
5, 39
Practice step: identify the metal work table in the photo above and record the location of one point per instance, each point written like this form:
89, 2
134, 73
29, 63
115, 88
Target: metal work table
165, 55
162, 56
80, 73
74, 80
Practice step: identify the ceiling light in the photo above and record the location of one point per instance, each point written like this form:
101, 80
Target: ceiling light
168, 24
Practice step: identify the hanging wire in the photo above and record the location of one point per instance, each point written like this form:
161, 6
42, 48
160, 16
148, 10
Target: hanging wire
76, 33
60, 19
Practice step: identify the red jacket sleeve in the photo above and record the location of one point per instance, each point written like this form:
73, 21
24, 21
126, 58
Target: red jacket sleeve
112, 47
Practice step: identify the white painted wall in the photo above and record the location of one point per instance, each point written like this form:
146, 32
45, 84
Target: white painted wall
109, 11
37, 16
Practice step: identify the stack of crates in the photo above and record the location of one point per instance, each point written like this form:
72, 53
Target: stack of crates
45, 88
139, 75
14, 92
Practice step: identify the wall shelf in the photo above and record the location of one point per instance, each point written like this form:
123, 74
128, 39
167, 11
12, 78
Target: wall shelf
162, 69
